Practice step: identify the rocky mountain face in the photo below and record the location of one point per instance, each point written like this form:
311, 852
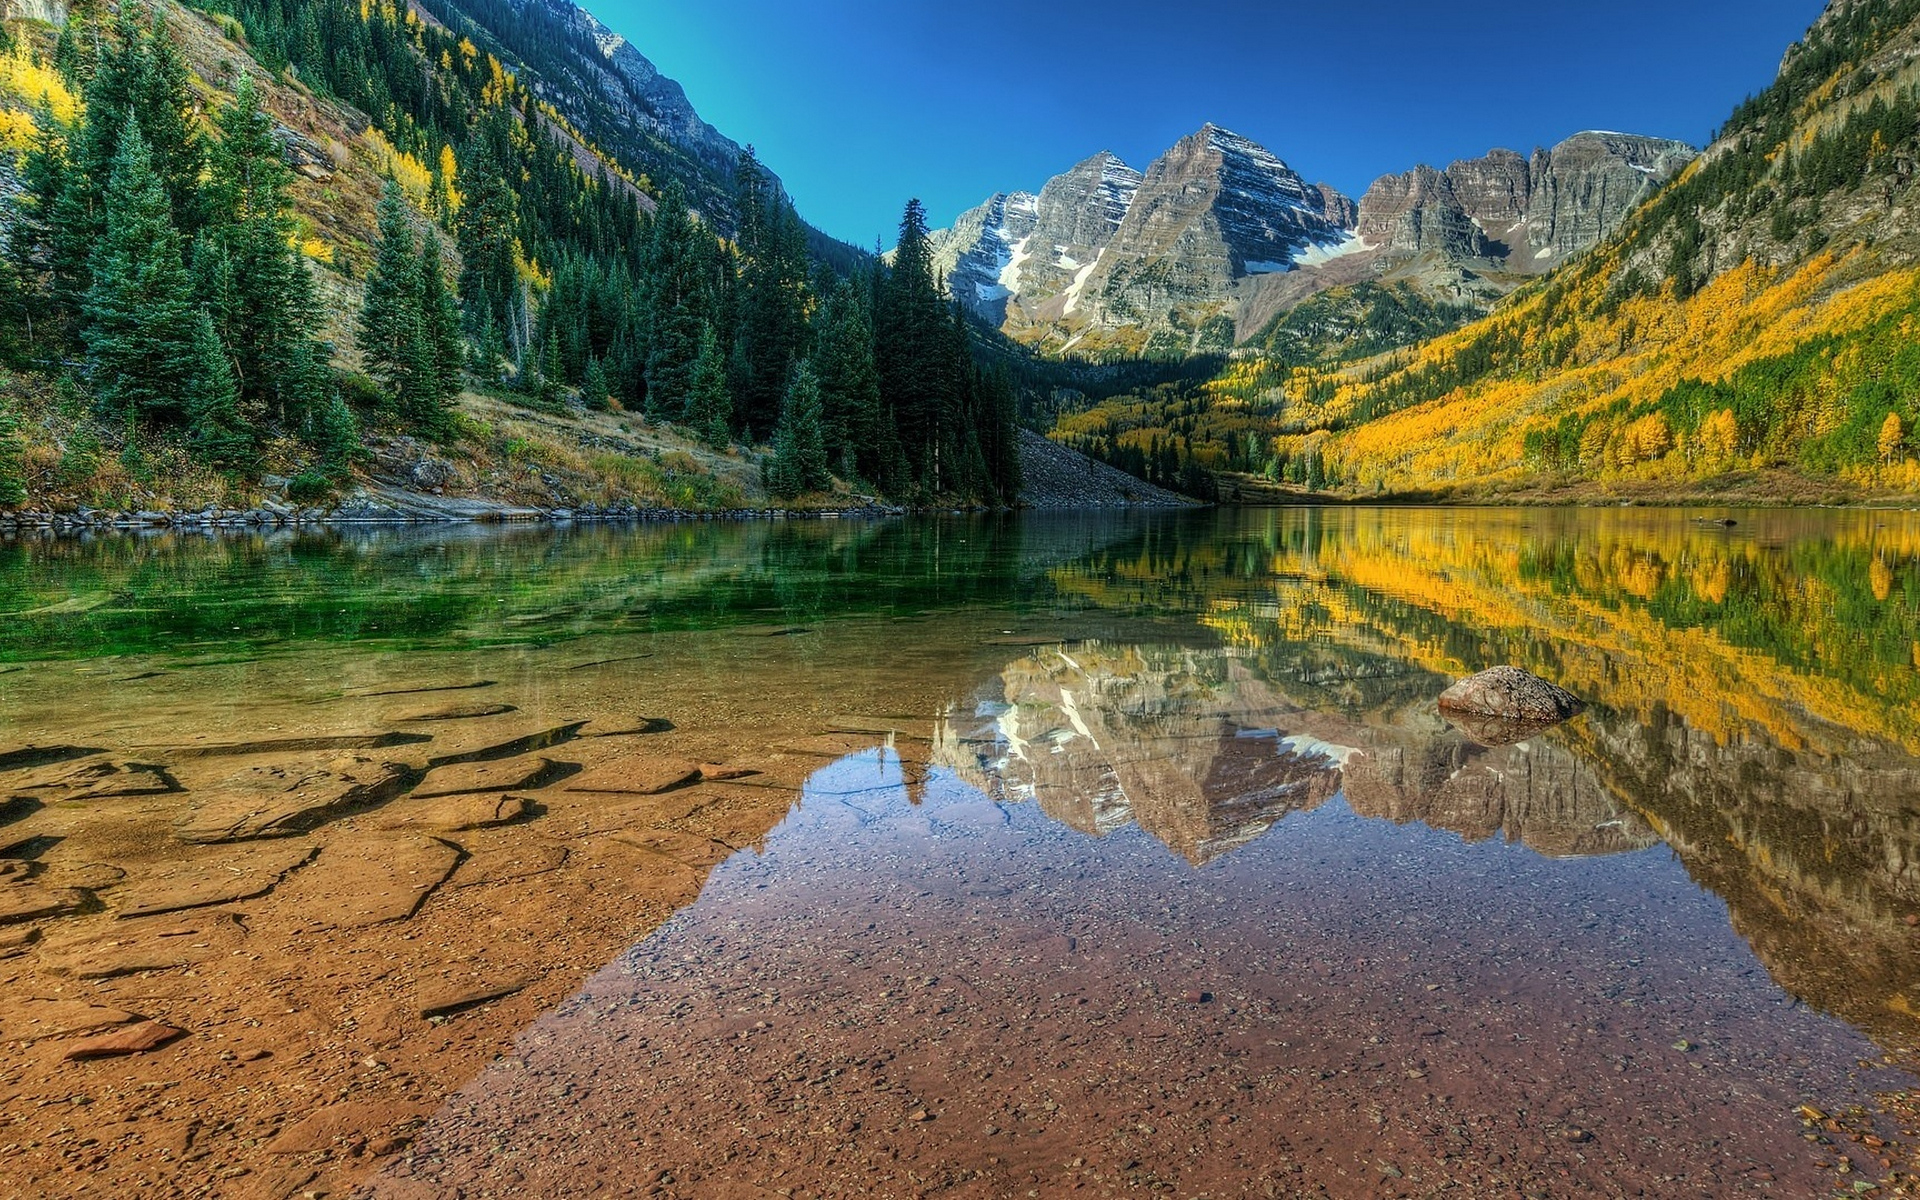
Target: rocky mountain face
615, 96
1219, 237
1523, 214
1214, 210
660, 105
976, 256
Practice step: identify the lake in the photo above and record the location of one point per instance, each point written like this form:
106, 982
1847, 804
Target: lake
978, 856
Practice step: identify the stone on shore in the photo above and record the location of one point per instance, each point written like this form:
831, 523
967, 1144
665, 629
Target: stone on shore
448, 997
367, 880
26, 901
459, 779
636, 775
41, 1018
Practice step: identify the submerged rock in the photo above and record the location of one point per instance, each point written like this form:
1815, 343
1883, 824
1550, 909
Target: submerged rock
135, 1039
1510, 694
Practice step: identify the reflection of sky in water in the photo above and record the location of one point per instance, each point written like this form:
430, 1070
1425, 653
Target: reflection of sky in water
1347, 991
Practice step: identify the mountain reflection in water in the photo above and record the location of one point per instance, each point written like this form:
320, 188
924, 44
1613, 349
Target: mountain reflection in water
1197, 749
1755, 702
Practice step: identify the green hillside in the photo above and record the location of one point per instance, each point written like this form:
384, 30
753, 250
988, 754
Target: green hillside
264, 241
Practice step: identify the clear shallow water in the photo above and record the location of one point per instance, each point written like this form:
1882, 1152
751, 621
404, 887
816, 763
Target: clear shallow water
1142, 758
935, 994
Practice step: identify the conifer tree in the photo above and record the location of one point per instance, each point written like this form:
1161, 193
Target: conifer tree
677, 304
334, 431
391, 334
13, 482
593, 387
442, 347
486, 228
253, 279
772, 301
799, 447
858, 434
139, 308
214, 424
43, 171
163, 101
708, 404
912, 349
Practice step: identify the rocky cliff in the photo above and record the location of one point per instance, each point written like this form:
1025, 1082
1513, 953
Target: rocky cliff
1524, 214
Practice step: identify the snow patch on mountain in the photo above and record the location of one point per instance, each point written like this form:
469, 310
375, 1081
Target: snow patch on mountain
1079, 283
1321, 253
1017, 256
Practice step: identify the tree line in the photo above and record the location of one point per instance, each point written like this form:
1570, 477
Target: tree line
166, 250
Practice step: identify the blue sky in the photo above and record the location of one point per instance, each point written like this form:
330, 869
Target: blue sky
859, 104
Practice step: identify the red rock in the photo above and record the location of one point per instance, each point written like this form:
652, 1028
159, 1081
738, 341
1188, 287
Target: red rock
134, 1039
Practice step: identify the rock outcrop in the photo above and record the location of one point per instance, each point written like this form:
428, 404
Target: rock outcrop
977, 255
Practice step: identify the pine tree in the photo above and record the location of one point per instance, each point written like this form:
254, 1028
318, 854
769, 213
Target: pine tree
13, 481
911, 339
163, 101
708, 404
253, 279
772, 301
443, 347
486, 228
139, 308
391, 332
858, 433
43, 171
799, 447
214, 424
334, 431
593, 387
678, 303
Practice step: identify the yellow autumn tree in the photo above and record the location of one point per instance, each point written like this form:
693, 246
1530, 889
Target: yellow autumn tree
1719, 435
1891, 435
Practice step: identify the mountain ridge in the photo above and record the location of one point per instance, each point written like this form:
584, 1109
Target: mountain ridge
1230, 239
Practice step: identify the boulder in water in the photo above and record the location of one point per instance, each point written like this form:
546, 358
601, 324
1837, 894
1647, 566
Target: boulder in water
1510, 694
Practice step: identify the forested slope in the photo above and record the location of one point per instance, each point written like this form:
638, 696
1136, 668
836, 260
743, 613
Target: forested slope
259, 240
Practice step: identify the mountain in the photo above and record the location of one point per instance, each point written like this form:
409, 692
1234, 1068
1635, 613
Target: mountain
1219, 239
1747, 332
1437, 248
1214, 211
